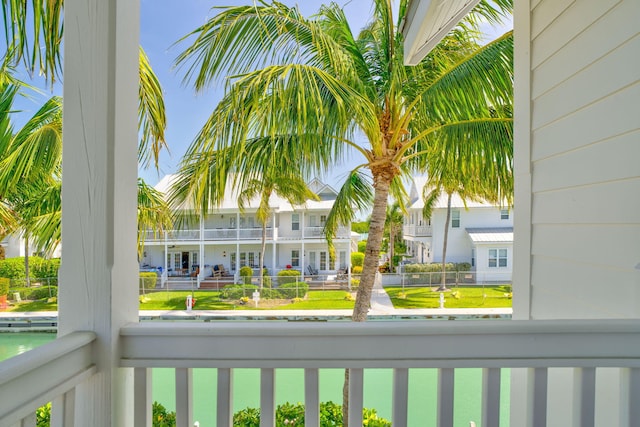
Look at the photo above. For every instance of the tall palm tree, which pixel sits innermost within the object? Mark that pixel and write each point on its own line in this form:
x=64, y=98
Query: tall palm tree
x=33, y=35
x=284, y=184
x=30, y=161
x=318, y=90
x=393, y=225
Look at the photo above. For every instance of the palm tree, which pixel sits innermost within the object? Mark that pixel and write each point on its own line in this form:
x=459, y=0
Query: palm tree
x=318, y=90
x=34, y=35
x=30, y=161
x=393, y=225
x=153, y=213
x=284, y=184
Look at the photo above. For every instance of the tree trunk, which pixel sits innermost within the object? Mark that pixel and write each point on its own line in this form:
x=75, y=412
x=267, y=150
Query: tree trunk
x=392, y=243
x=264, y=245
x=369, y=268
x=443, y=281
x=26, y=258
x=372, y=250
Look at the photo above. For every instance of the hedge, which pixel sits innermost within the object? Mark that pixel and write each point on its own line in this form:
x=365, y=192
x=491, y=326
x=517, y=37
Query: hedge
x=357, y=259
x=246, y=272
x=288, y=276
x=237, y=291
x=293, y=290
x=148, y=280
x=4, y=286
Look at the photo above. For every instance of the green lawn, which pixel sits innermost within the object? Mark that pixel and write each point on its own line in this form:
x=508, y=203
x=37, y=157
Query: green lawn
x=321, y=300
x=424, y=297
x=458, y=297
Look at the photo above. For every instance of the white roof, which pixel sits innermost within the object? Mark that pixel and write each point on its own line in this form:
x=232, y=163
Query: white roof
x=427, y=22
x=230, y=202
x=491, y=235
x=416, y=201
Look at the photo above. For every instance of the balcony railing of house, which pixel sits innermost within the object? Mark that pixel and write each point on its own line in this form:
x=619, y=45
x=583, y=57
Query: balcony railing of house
x=51, y=372
x=417, y=230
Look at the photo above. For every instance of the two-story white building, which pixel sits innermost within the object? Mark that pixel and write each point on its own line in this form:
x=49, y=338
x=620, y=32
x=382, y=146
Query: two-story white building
x=231, y=238
x=480, y=233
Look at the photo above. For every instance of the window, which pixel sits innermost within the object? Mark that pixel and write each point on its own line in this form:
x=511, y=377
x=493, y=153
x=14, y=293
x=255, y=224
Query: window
x=233, y=261
x=343, y=259
x=473, y=257
x=323, y=260
x=497, y=257
x=295, y=258
x=323, y=220
x=295, y=222
x=504, y=213
x=232, y=222
x=455, y=218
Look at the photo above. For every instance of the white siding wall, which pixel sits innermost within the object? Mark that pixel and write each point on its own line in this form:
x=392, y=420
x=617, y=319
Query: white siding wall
x=584, y=153
x=577, y=145
x=459, y=245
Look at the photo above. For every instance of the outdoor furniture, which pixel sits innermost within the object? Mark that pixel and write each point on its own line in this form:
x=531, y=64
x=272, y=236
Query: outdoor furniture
x=312, y=271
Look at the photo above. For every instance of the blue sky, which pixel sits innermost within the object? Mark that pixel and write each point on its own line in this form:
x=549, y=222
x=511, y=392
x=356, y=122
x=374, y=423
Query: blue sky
x=163, y=23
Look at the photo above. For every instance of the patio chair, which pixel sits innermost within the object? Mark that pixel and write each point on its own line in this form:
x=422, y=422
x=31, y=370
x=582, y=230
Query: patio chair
x=312, y=271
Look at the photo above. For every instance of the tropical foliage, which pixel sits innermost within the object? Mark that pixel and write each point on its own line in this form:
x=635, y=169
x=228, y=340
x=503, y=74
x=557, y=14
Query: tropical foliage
x=312, y=90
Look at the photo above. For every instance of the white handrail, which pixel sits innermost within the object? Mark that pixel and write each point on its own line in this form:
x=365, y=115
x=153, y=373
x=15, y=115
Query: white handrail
x=480, y=344
x=36, y=377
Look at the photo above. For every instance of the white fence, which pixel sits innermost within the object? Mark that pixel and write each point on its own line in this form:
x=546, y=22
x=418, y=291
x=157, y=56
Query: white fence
x=51, y=372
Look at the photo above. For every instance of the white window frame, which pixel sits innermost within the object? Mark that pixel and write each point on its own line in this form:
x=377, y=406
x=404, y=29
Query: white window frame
x=499, y=257
x=455, y=218
x=295, y=258
x=295, y=222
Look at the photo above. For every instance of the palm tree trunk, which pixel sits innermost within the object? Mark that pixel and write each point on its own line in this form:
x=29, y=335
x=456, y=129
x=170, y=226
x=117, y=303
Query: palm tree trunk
x=392, y=244
x=26, y=258
x=369, y=269
x=443, y=281
x=264, y=245
x=370, y=264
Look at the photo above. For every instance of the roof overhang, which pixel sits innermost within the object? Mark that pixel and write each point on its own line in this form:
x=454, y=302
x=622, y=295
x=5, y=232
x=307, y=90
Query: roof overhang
x=490, y=235
x=427, y=22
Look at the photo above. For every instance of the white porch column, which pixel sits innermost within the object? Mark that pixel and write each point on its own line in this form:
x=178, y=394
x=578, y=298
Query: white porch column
x=99, y=287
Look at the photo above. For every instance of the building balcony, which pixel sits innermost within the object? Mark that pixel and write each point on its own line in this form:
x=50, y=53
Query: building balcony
x=417, y=230
x=228, y=234
x=54, y=371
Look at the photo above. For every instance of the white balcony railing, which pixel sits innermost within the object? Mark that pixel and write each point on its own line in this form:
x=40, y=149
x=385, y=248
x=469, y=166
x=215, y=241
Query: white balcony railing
x=417, y=230
x=52, y=371
x=48, y=373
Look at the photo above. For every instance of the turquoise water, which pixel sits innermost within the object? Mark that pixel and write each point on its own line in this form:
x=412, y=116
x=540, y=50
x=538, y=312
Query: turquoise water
x=290, y=388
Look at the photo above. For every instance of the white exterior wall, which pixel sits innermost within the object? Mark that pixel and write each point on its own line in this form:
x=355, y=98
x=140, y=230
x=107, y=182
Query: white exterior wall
x=582, y=232
x=459, y=244
x=13, y=246
x=577, y=145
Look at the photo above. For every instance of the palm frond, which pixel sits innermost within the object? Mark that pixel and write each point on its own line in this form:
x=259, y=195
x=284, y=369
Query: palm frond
x=154, y=214
x=35, y=152
x=152, y=119
x=33, y=35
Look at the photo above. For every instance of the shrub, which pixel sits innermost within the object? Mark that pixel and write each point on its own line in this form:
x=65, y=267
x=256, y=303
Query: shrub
x=357, y=259
x=248, y=417
x=356, y=270
x=148, y=280
x=246, y=272
x=12, y=268
x=2, y=252
x=237, y=291
x=463, y=266
x=44, y=268
x=293, y=290
x=362, y=245
x=4, y=286
x=162, y=417
x=288, y=276
x=43, y=416
x=288, y=414
x=44, y=292
x=266, y=279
